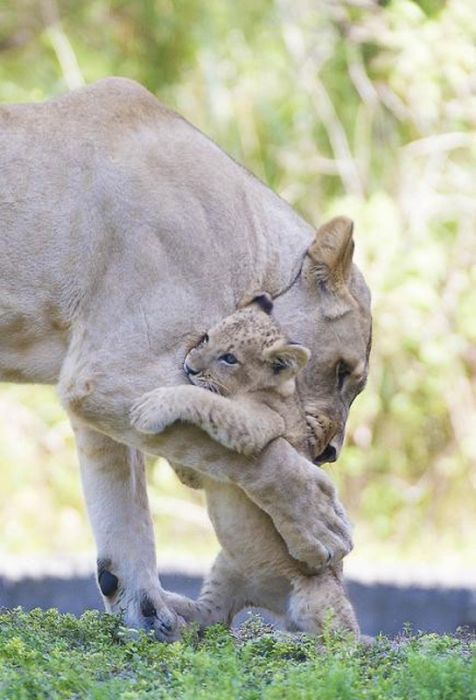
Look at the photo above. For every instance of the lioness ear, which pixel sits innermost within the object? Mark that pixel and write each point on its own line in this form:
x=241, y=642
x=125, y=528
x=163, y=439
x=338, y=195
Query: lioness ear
x=287, y=359
x=264, y=301
x=331, y=256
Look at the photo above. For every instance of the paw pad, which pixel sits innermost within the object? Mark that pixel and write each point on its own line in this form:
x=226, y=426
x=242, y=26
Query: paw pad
x=108, y=583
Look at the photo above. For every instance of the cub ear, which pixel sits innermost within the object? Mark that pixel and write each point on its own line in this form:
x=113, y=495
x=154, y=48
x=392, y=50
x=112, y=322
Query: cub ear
x=331, y=265
x=264, y=301
x=287, y=359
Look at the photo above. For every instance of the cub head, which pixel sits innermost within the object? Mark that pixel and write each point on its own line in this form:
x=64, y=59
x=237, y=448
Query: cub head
x=246, y=352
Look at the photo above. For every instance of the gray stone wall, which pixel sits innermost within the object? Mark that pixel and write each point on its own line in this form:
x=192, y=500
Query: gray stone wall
x=381, y=608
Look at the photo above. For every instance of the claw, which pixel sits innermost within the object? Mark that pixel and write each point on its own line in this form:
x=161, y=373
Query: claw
x=167, y=626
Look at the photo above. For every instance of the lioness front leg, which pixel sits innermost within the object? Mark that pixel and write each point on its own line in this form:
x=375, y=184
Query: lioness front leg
x=113, y=479
x=246, y=429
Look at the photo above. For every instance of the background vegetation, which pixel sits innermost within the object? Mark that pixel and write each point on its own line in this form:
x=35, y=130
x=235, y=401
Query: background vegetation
x=360, y=107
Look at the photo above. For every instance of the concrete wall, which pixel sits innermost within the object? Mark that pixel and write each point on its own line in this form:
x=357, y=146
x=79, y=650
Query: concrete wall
x=380, y=608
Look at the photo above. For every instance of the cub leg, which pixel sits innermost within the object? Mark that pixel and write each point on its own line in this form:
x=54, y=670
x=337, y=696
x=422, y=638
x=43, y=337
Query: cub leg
x=221, y=597
x=258, y=570
x=113, y=479
x=244, y=428
x=319, y=601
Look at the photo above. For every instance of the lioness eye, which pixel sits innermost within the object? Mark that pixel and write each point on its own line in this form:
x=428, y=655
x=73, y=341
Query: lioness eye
x=228, y=359
x=203, y=340
x=343, y=371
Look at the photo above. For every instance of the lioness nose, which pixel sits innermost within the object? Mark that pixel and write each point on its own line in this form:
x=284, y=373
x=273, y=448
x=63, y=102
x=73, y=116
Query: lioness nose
x=189, y=370
x=329, y=454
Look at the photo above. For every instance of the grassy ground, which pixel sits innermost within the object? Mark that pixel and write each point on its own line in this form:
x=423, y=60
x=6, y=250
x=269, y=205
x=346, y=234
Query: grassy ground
x=48, y=655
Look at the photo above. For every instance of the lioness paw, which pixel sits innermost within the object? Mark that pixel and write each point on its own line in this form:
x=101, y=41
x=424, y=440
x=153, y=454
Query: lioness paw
x=142, y=607
x=148, y=612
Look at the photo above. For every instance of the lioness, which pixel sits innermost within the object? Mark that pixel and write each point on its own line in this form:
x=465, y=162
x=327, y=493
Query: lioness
x=119, y=223
x=244, y=369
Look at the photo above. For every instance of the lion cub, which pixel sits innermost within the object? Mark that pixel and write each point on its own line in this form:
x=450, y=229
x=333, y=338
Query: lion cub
x=244, y=396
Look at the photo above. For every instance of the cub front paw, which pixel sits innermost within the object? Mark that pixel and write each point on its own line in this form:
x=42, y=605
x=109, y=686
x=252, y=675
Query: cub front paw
x=152, y=413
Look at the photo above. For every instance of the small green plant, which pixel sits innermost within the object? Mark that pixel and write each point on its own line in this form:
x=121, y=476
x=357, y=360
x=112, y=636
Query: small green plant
x=52, y=656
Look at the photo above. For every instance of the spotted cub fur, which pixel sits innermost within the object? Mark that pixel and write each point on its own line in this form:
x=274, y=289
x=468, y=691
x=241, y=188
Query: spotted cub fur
x=244, y=368
x=244, y=396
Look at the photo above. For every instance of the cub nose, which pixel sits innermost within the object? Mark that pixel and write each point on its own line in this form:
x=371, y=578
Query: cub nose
x=188, y=370
x=329, y=454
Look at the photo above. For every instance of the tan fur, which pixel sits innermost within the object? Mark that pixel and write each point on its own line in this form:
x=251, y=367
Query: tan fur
x=254, y=401
x=264, y=404
x=124, y=234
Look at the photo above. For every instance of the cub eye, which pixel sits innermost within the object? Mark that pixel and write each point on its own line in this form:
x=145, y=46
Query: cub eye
x=278, y=366
x=203, y=340
x=228, y=359
x=343, y=371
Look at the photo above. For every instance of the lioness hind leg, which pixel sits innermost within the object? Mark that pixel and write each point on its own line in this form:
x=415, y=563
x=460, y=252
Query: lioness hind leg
x=319, y=602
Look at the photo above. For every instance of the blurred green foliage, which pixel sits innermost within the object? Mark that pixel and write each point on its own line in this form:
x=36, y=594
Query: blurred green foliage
x=360, y=107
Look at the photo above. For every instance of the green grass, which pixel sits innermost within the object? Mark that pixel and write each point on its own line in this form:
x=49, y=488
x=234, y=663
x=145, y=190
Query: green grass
x=48, y=655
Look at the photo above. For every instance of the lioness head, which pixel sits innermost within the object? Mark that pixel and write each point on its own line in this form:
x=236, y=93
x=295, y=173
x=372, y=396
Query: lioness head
x=328, y=309
x=246, y=352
